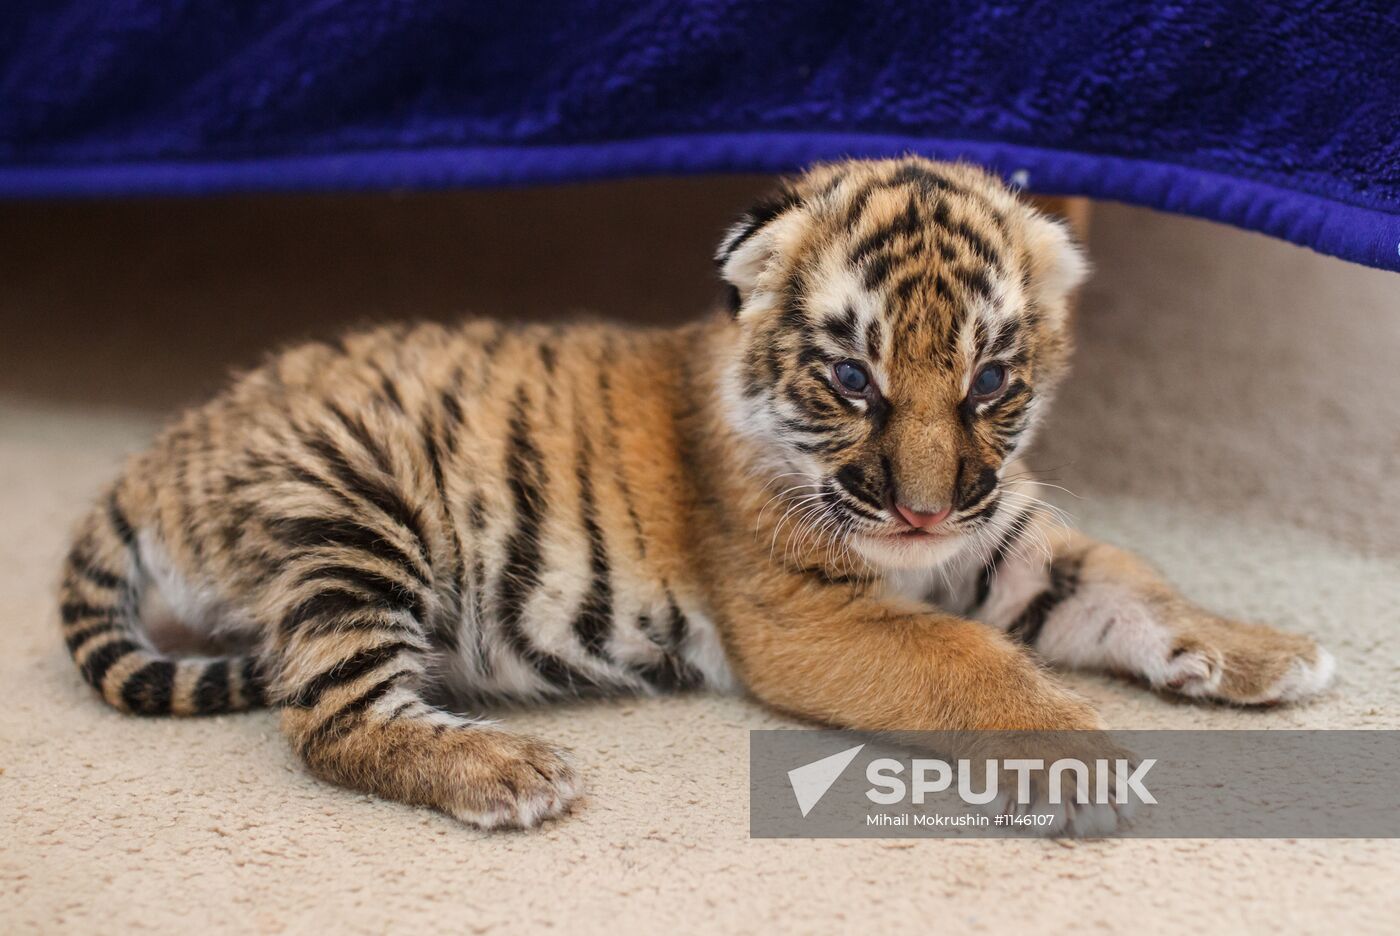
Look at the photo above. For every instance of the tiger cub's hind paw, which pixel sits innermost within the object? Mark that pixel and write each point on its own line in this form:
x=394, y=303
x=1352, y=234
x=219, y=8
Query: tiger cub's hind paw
x=1245, y=664
x=514, y=782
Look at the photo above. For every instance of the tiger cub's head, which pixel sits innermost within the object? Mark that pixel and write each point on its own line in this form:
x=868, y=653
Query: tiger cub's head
x=902, y=325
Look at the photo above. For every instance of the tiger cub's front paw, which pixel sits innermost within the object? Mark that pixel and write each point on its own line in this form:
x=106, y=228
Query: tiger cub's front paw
x=511, y=781
x=1247, y=664
x=1059, y=809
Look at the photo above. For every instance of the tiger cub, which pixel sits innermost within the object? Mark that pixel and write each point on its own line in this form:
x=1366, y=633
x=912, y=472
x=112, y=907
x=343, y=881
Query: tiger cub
x=815, y=497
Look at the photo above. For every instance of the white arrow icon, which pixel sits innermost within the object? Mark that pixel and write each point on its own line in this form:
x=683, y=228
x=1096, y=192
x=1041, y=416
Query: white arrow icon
x=811, y=781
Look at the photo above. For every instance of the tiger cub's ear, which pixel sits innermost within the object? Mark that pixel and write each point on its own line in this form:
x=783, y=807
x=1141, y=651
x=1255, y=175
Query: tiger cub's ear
x=750, y=255
x=1057, y=265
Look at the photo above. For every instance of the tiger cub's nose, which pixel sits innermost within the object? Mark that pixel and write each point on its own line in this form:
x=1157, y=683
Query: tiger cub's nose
x=920, y=520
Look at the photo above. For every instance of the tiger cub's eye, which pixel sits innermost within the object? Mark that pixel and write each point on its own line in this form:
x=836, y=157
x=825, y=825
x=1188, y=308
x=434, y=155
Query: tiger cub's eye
x=851, y=378
x=989, y=382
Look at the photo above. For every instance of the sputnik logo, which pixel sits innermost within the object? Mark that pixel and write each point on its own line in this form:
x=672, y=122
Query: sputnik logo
x=811, y=781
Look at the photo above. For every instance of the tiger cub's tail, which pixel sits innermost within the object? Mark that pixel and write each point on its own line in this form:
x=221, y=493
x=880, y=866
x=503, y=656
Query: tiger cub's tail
x=100, y=598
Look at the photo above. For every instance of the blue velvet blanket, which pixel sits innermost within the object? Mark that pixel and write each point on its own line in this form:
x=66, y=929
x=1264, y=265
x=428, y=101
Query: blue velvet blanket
x=1281, y=117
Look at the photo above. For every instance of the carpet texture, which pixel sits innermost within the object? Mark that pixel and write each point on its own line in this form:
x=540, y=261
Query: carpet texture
x=1235, y=416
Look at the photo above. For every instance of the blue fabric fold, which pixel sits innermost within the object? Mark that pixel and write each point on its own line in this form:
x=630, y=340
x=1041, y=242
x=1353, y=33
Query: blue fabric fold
x=1278, y=117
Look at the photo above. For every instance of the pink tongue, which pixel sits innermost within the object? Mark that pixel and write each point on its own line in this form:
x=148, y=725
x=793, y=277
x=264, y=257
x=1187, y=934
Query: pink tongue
x=922, y=521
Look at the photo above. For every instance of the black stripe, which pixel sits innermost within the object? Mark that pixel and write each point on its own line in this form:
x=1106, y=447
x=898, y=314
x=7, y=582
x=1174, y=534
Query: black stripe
x=253, y=689
x=520, y=575
x=120, y=525
x=75, y=611
x=476, y=583
x=1005, y=337
x=312, y=479
x=815, y=406
x=389, y=592
x=400, y=709
x=1010, y=439
x=191, y=482
x=733, y=301
x=644, y=624
x=1014, y=532
x=837, y=494
x=810, y=354
x=858, y=510
x=1064, y=581
x=320, y=532
x=904, y=289
x=524, y=477
x=362, y=623
x=1012, y=393
x=756, y=217
x=445, y=632
x=980, y=488
x=982, y=514
x=99, y=661
x=929, y=182
x=147, y=691
x=211, y=692
x=335, y=606
x=83, y=564
x=831, y=186
x=322, y=733
x=856, y=208
x=357, y=428
x=817, y=427
x=872, y=243
x=548, y=357
x=852, y=479
x=76, y=639
x=679, y=627
x=974, y=281
x=672, y=673
x=391, y=392
x=874, y=337
x=842, y=329
x=593, y=623
x=907, y=224
x=347, y=670
x=825, y=447
x=453, y=408
x=1027, y=625
x=325, y=605
x=381, y=495
x=453, y=414
x=793, y=316
x=610, y=444
x=491, y=345
x=978, y=244
x=878, y=271
x=235, y=525
x=430, y=447
x=933, y=184
x=688, y=676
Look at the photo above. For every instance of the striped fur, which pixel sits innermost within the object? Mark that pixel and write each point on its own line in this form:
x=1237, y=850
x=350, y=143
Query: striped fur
x=382, y=531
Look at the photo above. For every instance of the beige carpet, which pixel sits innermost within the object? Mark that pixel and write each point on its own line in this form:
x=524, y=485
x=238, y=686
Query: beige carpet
x=1235, y=416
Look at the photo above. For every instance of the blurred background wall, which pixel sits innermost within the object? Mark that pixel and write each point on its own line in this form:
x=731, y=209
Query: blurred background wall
x=145, y=302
